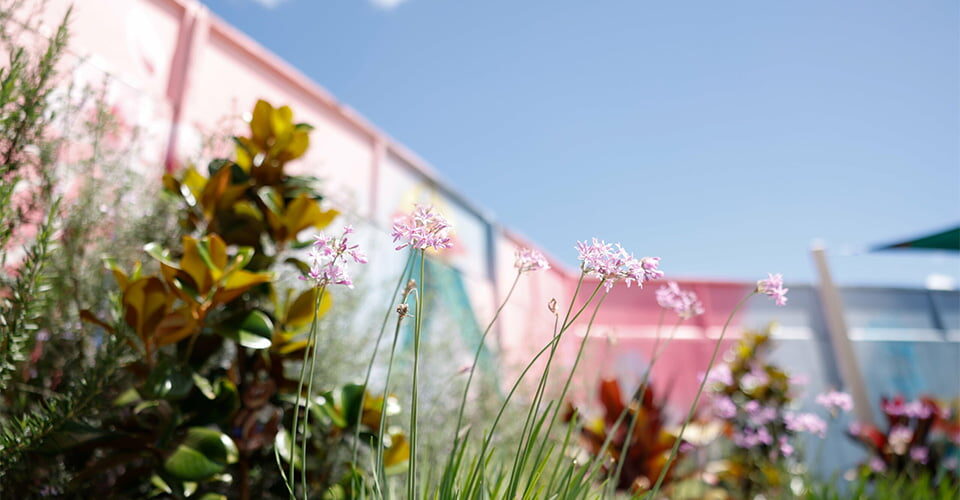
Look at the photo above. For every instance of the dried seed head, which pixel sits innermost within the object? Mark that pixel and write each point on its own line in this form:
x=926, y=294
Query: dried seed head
x=402, y=309
x=552, y=306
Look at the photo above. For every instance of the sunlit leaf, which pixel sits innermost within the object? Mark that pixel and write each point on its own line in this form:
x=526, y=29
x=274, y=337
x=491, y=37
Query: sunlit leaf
x=253, y=331
x=176, y=326
x=286, y=448
x=301, y=312
x=260, y=121
x=238, y=282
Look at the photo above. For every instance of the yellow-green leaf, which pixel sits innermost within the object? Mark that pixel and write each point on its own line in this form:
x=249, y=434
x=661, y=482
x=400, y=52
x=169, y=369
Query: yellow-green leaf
x=301, y=312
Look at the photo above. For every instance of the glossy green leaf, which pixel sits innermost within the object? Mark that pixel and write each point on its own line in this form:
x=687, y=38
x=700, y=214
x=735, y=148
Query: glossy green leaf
x=169, y=380
x=351, y=396
x=254, y=331
x=202, y=454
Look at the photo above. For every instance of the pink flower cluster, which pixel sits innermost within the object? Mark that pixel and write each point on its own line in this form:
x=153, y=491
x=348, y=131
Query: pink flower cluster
x=835, y=401
x=758, y=414
x=805, y=422
x=750, y=438
x=329, y=256
x=683, y=302
x=612, y=263
x=920, y=454
x=724, y=407
x=756, y=377
x=918, y=409
x=529, y=259
x=422, y=229
x=720, y=375
x=773, y=287
x=785, y=447
x=899, y=439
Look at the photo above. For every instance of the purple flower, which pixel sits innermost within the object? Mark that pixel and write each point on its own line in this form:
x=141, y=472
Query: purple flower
x=805, y=422
x=720, y=374
x=759, y=414
x=919, y=454
x=773, y=287
x=750, y=438
x=917, y=409
x=785, y=447
x=877, y=464
x=329, y=256
x=530, y=260
x=763, y=435
x=756, y=377
x=612, y=263
x=683, y=302
x=724, y=407
x=651, y=268
x=835, y=401
x=422, y=229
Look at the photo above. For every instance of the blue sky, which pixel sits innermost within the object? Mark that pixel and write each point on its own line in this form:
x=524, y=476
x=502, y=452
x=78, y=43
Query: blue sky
x=722, y=136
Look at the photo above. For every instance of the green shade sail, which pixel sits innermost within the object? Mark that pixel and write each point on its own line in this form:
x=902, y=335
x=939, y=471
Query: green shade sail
x=943, y=240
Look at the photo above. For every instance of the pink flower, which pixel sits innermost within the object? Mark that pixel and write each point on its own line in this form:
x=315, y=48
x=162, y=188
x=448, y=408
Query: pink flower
x=651, y=268
x=785, y=447
x=835, y=401
x=422, y=229
x=919, y=454
x=763, y=435
x=917, y=409
x=756, y=377
x=612, y=263
x=877, y=464
x=329, y=256
x=683, y=302
x=899, y=439
x=759, y=414
x=724, y=407
x=750, y=438
x=805, y=422
x=773, y=287
x=530, y=260
x=720, y=374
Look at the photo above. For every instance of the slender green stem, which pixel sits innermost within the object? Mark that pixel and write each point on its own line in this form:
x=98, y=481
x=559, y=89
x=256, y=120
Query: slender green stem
x=550, y=345
x=313, y=369
x=573, y=299
x=639, y=396
x=696, y=399
x=418, y=324
x=448, y=472
x=376, y=347
x=576, y=363
x=541, y=388
x=476, y=358
x=299, y=395
x=379, y=468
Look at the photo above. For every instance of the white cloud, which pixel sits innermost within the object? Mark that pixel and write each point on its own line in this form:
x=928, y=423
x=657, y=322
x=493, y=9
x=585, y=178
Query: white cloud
x=385, y=4
x=269, y=3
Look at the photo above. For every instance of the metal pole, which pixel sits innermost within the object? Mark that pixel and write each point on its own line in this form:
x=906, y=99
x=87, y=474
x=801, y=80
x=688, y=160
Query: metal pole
x=837, y=328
